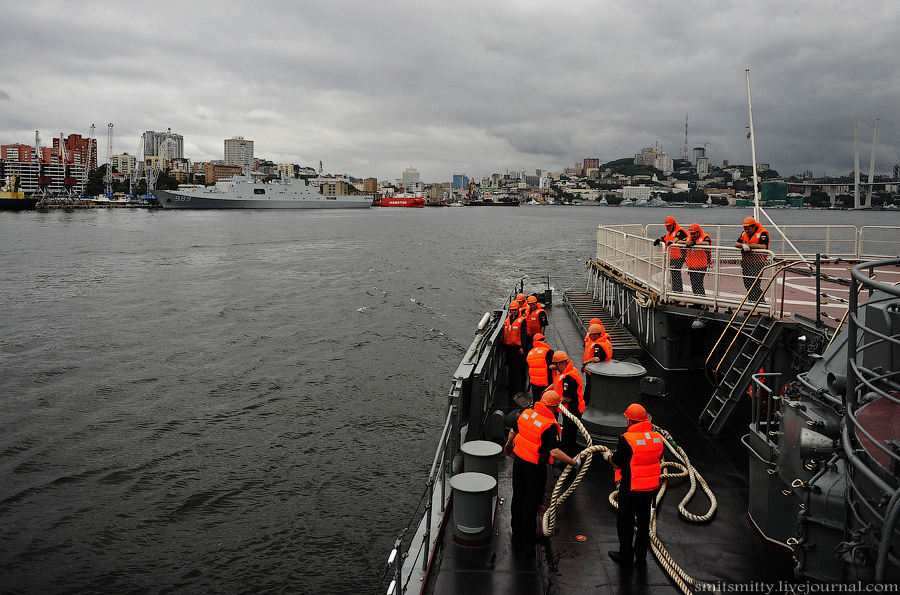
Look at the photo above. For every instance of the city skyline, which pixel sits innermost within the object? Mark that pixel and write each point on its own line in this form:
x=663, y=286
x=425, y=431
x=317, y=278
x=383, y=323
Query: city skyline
x=490, y=86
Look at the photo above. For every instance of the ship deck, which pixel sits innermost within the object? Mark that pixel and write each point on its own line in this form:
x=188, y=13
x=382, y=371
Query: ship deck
x=574, y=559
x=797, y=291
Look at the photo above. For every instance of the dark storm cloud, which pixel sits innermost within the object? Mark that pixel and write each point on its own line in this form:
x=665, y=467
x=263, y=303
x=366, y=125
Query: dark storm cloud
x=371, y=88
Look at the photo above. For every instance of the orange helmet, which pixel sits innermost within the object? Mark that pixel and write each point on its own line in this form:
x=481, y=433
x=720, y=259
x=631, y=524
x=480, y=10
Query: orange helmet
x=670, y=220
x=636, y=412
x=596, y=321
x=531, y=299
x=539, y=337
x=595, y=329
x=749, y=221
x=520, y=298
x=695, y=227
x=560, y=356
x=514, y=305
x=551, y=398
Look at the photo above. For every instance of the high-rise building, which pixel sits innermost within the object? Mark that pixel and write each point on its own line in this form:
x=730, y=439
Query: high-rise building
x=79, y=150
x=460, y=181
x=699, y=152
x=170, y=144
x=410, y=179
x=124, y=163
x=239, y=152
x=588, y=164
x=21, y=153
x=664, y=163
x=702, y=167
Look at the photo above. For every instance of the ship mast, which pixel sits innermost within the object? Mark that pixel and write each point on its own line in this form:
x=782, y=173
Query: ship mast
x=756, y=208
x=753, y=152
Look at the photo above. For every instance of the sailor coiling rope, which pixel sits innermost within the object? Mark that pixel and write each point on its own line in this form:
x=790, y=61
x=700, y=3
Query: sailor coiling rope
x=683, y=468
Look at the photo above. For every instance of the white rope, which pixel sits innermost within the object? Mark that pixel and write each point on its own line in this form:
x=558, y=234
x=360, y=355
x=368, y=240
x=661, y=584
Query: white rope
x=683, y=467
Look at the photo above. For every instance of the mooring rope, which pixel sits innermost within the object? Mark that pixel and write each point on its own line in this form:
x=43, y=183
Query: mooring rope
x=684, y=468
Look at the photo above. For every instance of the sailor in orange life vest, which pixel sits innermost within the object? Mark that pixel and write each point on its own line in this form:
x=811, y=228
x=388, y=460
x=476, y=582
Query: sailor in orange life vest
x=534, y=442
x=536, y=319
x=597, y=348
x=637, y=465
x=539, y=359
x=755, y=237
x=514, y=341
x=674, y=232
x=567, y=382
x=697, y=258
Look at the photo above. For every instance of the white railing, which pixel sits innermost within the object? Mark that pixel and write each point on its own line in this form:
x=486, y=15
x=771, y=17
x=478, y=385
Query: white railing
x=723, y=284
x=878, y=241
x=632, y=255
x=835, y=241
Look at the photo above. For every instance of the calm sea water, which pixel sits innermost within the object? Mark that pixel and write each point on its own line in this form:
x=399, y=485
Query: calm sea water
x=245, y=402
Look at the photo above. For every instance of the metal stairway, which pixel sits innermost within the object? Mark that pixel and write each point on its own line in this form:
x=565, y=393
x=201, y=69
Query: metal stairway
x=582, y=307
x=757, y=344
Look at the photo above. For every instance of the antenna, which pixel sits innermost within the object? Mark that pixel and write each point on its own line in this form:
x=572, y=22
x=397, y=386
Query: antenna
x=684, y=151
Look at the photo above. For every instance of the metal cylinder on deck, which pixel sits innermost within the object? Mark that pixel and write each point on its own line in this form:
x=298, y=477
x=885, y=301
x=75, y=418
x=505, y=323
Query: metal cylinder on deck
x=482, y=456
x=614, y=386
x=473, y=508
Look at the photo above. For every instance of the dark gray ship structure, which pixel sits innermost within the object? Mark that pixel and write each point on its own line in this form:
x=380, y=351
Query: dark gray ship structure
x=794, y=439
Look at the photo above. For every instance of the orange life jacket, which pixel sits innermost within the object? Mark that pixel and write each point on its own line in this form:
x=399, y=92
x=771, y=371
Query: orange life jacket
x=531, y=425
x=538, y=372
x=557, y=385
x=646, y=449
x=698, y=258
x=534, y=320
x=674, y=252
x=512, y=330
x=755, y=257
x=604, y=341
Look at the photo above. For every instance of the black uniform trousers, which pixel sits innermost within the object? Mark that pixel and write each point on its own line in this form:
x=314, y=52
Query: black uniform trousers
x=529, y=480
x=697, y=276
x=567, y=442
x=634, y=505
x=751, y=283
x=515, y=370
x=536, y=392
x=675, y=265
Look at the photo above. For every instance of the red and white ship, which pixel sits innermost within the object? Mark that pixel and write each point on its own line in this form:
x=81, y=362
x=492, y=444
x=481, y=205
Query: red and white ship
x=401, y=200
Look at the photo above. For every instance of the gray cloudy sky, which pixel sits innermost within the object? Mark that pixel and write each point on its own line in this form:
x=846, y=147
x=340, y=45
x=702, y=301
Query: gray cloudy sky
x=371, y=87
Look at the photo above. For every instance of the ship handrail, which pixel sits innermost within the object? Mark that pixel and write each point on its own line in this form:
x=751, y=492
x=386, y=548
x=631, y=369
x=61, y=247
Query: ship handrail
x=757, y=411
x=837, y=241
x=859, y=377
x=740, y=330
x=477, y=365
x=636, y=259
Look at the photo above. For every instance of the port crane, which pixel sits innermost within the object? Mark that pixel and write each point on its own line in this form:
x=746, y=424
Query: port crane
x=107, y=178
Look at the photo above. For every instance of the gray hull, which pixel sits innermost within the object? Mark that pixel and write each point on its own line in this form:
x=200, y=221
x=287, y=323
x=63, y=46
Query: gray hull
x=259, y=196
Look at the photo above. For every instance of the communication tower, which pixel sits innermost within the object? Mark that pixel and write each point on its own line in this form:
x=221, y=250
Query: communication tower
x=684, y=150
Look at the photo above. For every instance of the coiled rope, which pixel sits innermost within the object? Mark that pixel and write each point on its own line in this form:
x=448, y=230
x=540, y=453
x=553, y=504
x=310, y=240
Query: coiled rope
x=684, y=468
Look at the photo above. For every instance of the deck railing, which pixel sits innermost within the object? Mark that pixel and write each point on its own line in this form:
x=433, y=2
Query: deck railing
x=835, y=241
x=878, y=241
x=638, y=260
